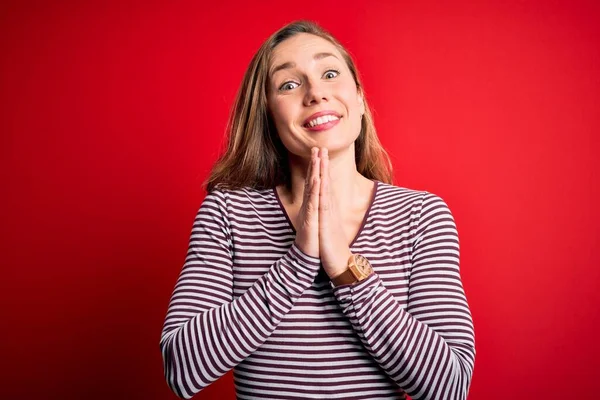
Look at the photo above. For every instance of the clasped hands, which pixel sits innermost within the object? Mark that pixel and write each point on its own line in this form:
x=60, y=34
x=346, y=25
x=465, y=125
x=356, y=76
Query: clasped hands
x=319, y=230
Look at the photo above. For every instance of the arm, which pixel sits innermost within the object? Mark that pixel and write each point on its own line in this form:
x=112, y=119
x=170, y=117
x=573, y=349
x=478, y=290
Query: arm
x=429, y=348
x=206, y=332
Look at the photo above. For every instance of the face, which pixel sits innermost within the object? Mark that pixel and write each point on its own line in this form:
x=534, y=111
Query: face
x=312, y=96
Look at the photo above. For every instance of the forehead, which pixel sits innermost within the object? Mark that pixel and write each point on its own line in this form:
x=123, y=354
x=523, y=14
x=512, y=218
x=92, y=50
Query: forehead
x=301, y=46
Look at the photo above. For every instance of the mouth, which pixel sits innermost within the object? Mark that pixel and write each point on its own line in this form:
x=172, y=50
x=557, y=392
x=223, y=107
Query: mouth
x=322, y=123
x=321, y=118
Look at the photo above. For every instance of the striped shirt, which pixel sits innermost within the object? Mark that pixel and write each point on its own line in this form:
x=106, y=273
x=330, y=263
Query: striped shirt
x=247, y=298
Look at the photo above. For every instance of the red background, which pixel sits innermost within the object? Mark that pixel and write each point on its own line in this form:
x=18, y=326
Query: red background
x=112, y=114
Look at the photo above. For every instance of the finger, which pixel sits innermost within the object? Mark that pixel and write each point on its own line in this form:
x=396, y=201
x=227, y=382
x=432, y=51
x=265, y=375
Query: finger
x=324, y=155
x=316, y=161
x=308, y=181
x=313, y=157
x=324, y=199
x=316, y=184
x=324, y=168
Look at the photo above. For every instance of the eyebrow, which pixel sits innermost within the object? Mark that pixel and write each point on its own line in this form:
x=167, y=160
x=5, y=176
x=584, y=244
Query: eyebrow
x=290, y=64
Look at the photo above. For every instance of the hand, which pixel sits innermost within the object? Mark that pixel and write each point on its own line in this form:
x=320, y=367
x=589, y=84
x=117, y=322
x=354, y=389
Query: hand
x=307, y=222
x=333, y=244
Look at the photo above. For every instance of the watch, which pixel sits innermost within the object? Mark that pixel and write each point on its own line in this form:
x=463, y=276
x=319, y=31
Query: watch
x=359, y=268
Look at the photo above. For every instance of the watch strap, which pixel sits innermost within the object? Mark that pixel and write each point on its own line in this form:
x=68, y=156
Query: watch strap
x=345, y=278
x=353, y=274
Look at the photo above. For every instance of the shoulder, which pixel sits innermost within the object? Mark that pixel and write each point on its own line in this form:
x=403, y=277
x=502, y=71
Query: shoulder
x=391, y=198
x=245, y=198
x=427, y=214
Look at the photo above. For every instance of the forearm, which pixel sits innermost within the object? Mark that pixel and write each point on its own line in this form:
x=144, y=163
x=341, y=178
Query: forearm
x=427, y=363
x=199, y=349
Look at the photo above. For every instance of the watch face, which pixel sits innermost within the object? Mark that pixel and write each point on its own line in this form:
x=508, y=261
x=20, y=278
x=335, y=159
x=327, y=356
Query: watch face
x=362, y=264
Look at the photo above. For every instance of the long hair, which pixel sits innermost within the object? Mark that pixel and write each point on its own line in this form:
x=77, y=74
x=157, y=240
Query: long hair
x=255, y=156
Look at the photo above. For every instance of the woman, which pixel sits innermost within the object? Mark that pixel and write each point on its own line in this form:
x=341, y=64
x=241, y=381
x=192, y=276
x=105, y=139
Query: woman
x=308, y=272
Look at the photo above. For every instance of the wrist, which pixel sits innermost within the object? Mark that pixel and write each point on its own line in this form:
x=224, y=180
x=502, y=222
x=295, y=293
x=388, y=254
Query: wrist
x=340, y=266
x=357, y=270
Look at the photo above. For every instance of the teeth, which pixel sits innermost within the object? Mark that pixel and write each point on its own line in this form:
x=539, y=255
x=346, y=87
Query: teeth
x=322, y=120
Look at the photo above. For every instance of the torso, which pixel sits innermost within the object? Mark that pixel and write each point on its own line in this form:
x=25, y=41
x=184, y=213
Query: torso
x=315, y=331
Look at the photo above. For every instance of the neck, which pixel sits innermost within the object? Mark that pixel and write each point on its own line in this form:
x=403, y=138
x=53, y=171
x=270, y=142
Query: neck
x=345, y=181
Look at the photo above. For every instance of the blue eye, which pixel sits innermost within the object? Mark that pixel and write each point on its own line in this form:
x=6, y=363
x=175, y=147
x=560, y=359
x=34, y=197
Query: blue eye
x=289, y=85
x=330, y=72
x=286, y=86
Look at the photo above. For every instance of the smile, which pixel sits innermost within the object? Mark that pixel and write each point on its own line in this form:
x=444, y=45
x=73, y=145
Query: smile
x=322, y=123
x=321, y=120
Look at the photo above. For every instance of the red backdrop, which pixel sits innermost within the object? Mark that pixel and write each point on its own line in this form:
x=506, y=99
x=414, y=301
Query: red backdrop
x=112, y=114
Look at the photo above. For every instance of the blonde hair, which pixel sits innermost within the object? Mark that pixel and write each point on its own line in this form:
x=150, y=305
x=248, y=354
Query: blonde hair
x=255, y=156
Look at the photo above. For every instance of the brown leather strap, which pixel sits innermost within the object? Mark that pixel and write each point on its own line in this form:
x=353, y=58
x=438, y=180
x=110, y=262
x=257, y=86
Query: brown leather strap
x=345, y=278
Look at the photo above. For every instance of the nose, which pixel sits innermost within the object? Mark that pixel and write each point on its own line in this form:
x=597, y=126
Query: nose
x=316, y=92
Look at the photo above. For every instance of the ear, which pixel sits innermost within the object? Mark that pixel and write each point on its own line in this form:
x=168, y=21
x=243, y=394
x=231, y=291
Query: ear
x=361, y=100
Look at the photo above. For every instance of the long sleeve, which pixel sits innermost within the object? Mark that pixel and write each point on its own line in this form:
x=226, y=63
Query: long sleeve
x=428, y=349
x=206, y=331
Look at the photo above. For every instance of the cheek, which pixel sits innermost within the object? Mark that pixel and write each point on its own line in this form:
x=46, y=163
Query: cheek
x=354, y=107
x=348, y=93
x=281, y=114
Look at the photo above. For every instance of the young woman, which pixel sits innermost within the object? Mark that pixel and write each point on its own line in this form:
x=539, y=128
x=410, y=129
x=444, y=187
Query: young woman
x=308, y=272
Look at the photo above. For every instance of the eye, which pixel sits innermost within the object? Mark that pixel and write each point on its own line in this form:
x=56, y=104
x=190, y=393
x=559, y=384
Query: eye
x=332, y=73
x=288, y=86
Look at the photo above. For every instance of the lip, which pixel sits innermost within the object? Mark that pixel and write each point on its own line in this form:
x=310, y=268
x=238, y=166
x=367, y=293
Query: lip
x=320, y=114
x=323, y=127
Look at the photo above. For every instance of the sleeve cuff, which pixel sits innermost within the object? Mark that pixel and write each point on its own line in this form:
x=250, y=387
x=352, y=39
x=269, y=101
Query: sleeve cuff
x=358, y=290
x=301, y=268
x=303, y=258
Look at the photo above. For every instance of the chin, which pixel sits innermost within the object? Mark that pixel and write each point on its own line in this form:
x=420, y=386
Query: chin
x=336, y=146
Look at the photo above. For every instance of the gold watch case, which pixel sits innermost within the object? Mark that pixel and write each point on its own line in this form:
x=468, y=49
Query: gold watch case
x=358, y=269
x=359, y=266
